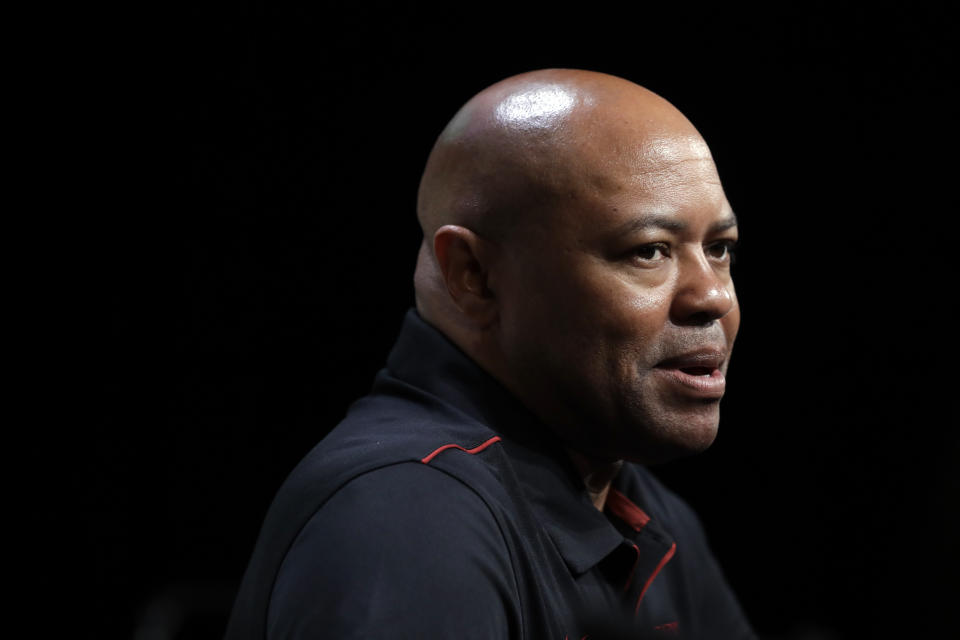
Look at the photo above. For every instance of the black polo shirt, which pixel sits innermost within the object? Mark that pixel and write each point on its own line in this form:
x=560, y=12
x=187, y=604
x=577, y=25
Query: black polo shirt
x=441, y=508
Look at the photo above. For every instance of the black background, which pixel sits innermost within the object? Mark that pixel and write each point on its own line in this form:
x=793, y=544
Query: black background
x=261, y=263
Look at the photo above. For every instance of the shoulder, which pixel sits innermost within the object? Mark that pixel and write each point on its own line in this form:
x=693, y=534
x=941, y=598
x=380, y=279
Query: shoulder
x=379, y=449
x=369, y=474
x=395, y=549
x=400, y=496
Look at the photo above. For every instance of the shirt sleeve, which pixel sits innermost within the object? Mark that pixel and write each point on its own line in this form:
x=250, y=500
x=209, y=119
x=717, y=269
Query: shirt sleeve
x=405, y=551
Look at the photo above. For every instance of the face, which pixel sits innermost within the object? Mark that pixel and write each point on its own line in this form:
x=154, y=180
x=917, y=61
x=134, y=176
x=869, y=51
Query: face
x=618, y=312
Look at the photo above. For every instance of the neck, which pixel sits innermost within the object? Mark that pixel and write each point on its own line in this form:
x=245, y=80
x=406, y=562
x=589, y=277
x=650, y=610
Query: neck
x=597, y=475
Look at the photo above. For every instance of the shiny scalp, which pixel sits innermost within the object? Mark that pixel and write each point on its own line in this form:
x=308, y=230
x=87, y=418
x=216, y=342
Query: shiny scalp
x=524, y=143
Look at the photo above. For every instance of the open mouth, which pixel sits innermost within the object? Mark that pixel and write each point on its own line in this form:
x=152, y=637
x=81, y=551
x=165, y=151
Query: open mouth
x=697, y=373
x=697, y=370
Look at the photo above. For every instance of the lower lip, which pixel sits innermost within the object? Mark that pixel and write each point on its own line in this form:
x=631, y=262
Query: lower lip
x=709, y=386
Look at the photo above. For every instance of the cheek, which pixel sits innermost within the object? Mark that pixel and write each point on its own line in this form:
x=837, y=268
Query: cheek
x=649, y=305
x=627, y=336
x=587, y=314
x=636, y=314
x=731, y=322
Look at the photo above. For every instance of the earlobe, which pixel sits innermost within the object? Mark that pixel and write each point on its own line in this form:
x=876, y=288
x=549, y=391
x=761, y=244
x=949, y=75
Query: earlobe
x=463, y=257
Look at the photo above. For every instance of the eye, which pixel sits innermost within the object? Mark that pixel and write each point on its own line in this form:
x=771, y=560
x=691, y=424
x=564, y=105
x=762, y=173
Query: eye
x=652, y=252
x=724, y=250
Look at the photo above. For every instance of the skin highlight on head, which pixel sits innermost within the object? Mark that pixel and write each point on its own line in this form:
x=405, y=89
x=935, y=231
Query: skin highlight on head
x=576, y=246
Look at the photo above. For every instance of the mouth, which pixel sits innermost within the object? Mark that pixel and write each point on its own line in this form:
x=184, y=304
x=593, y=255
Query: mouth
x=697, y=370
x=695, y=373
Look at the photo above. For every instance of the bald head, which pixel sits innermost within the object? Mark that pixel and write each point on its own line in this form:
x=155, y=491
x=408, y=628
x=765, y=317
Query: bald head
x=527, y=140
x=522, y=148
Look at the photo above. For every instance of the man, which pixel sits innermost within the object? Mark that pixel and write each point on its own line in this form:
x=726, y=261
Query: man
x=574, y=310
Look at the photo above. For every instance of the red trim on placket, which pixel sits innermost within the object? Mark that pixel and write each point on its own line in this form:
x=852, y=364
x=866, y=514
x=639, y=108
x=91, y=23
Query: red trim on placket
x=663, y=561
x=670, y=628
x=626, y=510
x=477, y=449
x=634, y=568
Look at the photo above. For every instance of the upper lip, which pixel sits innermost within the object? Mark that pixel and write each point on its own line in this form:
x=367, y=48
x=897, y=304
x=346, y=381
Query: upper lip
x=707, y=357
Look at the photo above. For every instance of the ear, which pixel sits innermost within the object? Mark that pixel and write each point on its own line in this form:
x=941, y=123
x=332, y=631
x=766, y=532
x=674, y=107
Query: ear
x=465, y=259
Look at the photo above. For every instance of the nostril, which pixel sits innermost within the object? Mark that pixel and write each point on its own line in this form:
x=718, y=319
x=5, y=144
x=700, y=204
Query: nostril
x=700, y=319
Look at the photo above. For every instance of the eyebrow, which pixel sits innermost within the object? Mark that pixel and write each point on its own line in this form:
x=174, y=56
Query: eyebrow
x=669, y=223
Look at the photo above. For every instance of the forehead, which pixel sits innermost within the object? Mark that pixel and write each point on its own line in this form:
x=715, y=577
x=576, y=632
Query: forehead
x=672, y=177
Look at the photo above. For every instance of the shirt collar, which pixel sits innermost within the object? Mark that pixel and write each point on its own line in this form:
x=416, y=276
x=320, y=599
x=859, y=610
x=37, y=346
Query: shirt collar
x=425, y=358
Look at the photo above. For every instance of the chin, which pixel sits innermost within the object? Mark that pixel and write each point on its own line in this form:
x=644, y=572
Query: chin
x=670, y=442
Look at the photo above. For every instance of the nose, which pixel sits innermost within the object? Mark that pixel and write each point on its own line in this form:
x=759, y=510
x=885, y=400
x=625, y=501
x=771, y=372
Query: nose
x=703, y=293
